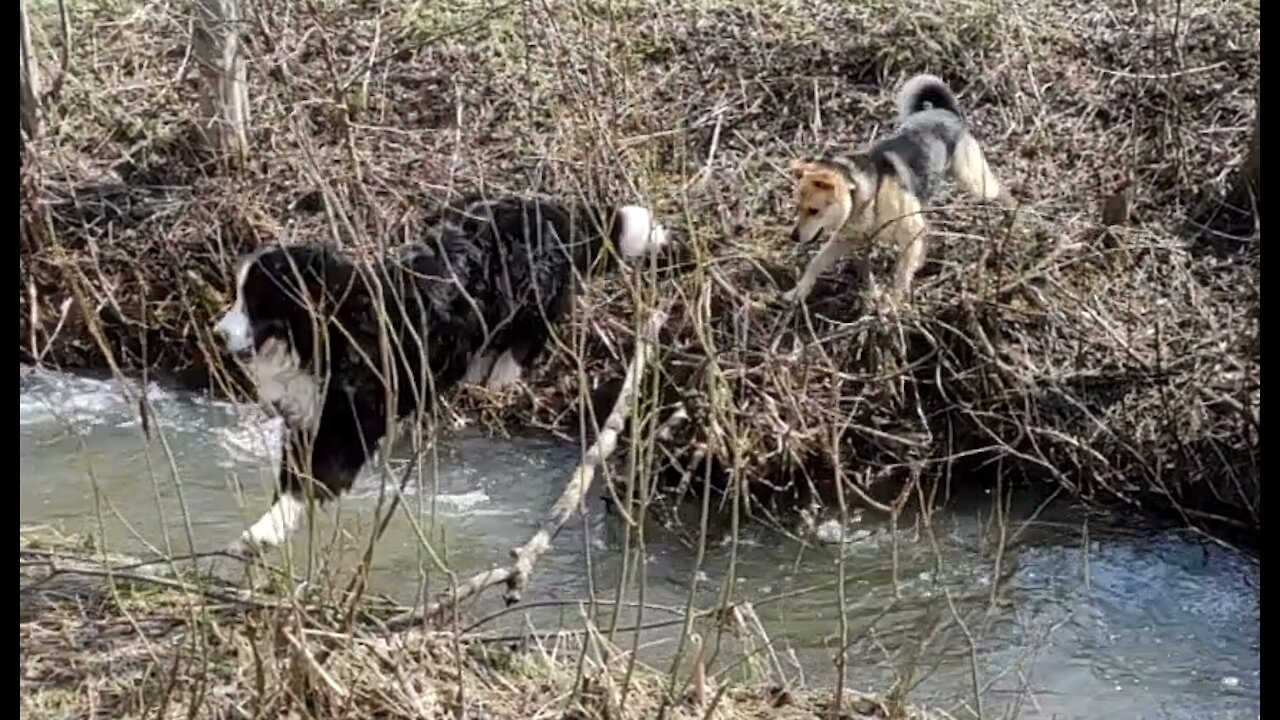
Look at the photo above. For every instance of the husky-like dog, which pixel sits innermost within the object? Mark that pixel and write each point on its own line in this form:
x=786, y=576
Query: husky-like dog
x=881, y=191
x=341, y=350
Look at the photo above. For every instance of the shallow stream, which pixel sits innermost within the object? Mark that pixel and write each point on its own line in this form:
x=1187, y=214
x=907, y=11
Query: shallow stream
x=1069, y=618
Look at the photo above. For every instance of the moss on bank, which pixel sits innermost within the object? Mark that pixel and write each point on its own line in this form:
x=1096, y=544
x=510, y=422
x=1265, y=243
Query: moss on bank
x=1120, y=362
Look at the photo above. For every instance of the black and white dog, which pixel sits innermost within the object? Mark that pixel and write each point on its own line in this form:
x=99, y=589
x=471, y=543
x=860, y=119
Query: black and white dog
x=531, y=274
x=342, y=350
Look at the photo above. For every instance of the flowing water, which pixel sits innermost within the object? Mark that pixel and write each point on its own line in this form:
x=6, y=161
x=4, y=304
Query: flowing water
x=1068, y=617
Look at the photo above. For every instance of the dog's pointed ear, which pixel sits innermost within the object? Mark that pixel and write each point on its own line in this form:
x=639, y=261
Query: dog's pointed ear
x=799, y=168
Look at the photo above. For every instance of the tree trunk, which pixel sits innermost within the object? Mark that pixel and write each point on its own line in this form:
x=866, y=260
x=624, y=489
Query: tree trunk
x=1251, y=171
x=32, y=115
x=224, y=100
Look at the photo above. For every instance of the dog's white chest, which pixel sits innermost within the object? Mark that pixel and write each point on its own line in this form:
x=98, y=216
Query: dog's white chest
x=282, y=384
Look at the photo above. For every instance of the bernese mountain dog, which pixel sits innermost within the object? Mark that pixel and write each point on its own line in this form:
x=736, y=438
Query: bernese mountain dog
x=341, y=349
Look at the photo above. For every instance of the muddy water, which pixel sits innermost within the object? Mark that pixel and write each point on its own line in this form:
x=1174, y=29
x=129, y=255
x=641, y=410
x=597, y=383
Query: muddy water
x=1067, y=617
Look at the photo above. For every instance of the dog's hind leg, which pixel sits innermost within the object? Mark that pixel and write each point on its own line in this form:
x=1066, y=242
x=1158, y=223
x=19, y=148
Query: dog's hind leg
x=522, y=354
x=973, y=174
x=479, y=367
x=506, y=370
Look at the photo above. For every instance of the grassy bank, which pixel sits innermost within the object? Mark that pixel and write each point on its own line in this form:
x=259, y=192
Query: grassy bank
x=1120, y=362
x=101, y=636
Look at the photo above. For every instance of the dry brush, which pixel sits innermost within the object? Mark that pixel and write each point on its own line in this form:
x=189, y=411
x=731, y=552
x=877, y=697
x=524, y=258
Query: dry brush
x=1118, y=361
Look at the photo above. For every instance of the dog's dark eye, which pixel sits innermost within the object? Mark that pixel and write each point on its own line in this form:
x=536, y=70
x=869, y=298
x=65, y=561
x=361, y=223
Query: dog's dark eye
x=811, y=211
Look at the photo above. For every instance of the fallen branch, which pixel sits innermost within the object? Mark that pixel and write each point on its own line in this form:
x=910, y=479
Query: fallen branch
x=62, y=565
x=516, y=575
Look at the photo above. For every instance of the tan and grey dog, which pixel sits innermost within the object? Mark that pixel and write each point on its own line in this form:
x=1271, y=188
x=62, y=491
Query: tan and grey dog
x=880, y=191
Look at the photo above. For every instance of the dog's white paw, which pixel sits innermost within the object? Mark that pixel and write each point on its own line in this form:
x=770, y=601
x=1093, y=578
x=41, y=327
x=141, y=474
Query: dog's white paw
x=506, y=371
x=274, y=527
x=248, y=546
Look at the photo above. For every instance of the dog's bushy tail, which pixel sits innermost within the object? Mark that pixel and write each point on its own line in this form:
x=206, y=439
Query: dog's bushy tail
x=923, y=92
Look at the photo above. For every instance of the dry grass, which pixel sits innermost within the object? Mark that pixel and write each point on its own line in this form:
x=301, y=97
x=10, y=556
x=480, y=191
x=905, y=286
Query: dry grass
x=1121, y=363
x=102, y=638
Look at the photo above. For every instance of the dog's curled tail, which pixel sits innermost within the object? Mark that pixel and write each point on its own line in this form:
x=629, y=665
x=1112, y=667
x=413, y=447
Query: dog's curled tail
x=924, y=91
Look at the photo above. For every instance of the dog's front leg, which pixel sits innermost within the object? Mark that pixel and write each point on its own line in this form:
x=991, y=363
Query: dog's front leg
x=831, y=252
x=312, y=471
x=288, y=504
x=862, y=266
